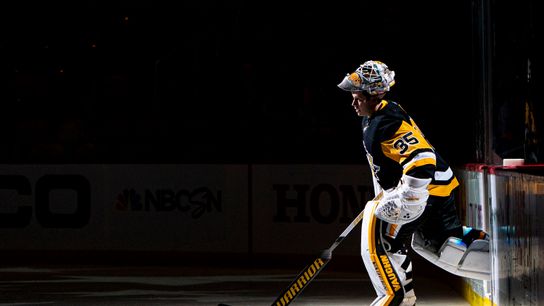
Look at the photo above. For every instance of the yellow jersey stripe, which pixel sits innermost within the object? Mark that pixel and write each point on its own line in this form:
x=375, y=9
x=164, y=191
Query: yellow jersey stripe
x=418, y=163
x=421, y=154
x=381, y=105
x=443, y=190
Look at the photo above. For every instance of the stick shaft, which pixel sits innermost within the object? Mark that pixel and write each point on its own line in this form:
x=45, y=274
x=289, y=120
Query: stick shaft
x=346, y=232
x=301, y=281
x=304, y=278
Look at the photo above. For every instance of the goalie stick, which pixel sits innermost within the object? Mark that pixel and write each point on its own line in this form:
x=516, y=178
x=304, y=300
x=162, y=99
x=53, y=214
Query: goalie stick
x=307, y=274
x=310, y=271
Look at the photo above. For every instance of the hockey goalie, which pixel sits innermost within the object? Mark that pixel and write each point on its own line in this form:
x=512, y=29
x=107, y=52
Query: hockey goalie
x=418, y=196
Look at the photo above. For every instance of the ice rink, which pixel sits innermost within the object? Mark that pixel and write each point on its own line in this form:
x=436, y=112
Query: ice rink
x=204, y=285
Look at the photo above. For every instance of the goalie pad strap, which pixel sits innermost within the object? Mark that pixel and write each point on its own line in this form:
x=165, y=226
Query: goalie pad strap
x=408, y=287
x=406, y=263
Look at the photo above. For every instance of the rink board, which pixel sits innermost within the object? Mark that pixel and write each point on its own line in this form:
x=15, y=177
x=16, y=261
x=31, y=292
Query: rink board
x=508, y=203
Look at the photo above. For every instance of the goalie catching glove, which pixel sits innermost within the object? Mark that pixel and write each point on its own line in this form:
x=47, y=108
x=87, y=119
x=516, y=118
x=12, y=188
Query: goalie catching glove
x=404, y=203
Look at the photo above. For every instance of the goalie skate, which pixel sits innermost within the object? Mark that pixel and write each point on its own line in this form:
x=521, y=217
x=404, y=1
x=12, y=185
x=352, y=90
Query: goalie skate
x=454, y=257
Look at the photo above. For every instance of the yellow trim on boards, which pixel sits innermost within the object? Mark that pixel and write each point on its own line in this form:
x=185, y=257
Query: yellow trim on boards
x=473, y=298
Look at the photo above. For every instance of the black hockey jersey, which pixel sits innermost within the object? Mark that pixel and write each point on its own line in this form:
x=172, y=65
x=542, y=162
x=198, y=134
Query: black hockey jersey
x=395, y=146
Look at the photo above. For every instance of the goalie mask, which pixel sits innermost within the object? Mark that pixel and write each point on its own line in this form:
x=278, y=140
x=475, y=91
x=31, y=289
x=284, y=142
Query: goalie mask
x=373, y=77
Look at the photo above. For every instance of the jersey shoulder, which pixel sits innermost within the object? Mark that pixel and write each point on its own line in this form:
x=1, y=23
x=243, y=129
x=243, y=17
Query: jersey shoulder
x=386, y=121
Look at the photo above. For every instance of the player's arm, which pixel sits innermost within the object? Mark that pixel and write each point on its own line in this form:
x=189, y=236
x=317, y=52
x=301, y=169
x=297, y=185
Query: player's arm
x=408, y=147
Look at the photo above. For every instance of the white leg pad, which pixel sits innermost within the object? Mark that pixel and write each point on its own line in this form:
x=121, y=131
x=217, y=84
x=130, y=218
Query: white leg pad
x=476, y=258
x=409, y=300
x=454, y=257
x=394, y=260
x=452, y=251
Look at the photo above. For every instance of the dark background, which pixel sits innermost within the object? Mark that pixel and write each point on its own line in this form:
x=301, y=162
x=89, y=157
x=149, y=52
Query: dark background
x=232, y=81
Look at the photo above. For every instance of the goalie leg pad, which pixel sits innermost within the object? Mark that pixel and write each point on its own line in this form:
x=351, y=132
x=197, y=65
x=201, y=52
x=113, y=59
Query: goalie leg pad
x=476, y=258
x=383, y=300
x=452, y=251
x=403, y=264
x=390, y=273
x=454, y=257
